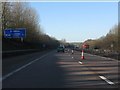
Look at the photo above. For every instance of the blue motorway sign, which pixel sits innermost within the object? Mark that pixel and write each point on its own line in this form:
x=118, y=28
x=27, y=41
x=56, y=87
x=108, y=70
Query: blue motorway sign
x=15, y=33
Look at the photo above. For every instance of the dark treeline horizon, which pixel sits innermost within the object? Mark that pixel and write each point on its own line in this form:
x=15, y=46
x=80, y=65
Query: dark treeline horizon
x=22, y=15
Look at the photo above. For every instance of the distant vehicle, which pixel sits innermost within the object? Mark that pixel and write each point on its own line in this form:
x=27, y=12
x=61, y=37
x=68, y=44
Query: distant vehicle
x=61, y=49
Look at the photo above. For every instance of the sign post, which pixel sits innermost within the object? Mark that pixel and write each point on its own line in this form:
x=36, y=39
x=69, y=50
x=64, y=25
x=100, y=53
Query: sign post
x=21, y=39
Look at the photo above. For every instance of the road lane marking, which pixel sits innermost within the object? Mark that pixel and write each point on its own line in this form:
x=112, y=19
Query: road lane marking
x=72, y=57
x=108, y=81
x=22, y=67
x=80, y=62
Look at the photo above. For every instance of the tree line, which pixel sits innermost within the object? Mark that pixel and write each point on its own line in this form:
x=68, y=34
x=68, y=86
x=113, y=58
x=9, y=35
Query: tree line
x=21, y=15
x=108, y=42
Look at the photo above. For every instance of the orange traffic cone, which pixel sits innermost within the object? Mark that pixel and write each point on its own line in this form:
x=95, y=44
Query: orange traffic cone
x=82, y=57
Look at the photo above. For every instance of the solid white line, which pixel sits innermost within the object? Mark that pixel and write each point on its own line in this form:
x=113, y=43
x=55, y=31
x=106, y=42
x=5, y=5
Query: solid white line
x=8, y=75
x=80, y=62
x=108, y=81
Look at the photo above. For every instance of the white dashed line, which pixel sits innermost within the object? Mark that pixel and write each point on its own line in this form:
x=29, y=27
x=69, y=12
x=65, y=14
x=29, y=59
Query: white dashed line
x=80, y=62
x=108, y=81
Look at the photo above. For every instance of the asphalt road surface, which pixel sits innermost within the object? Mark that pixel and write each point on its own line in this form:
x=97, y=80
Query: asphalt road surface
x=63, y=70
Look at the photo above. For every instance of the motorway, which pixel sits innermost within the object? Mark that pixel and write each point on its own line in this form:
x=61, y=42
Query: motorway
x=62, y=70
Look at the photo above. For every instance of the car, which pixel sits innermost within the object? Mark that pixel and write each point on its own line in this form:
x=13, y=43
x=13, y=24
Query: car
x=60, y=49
